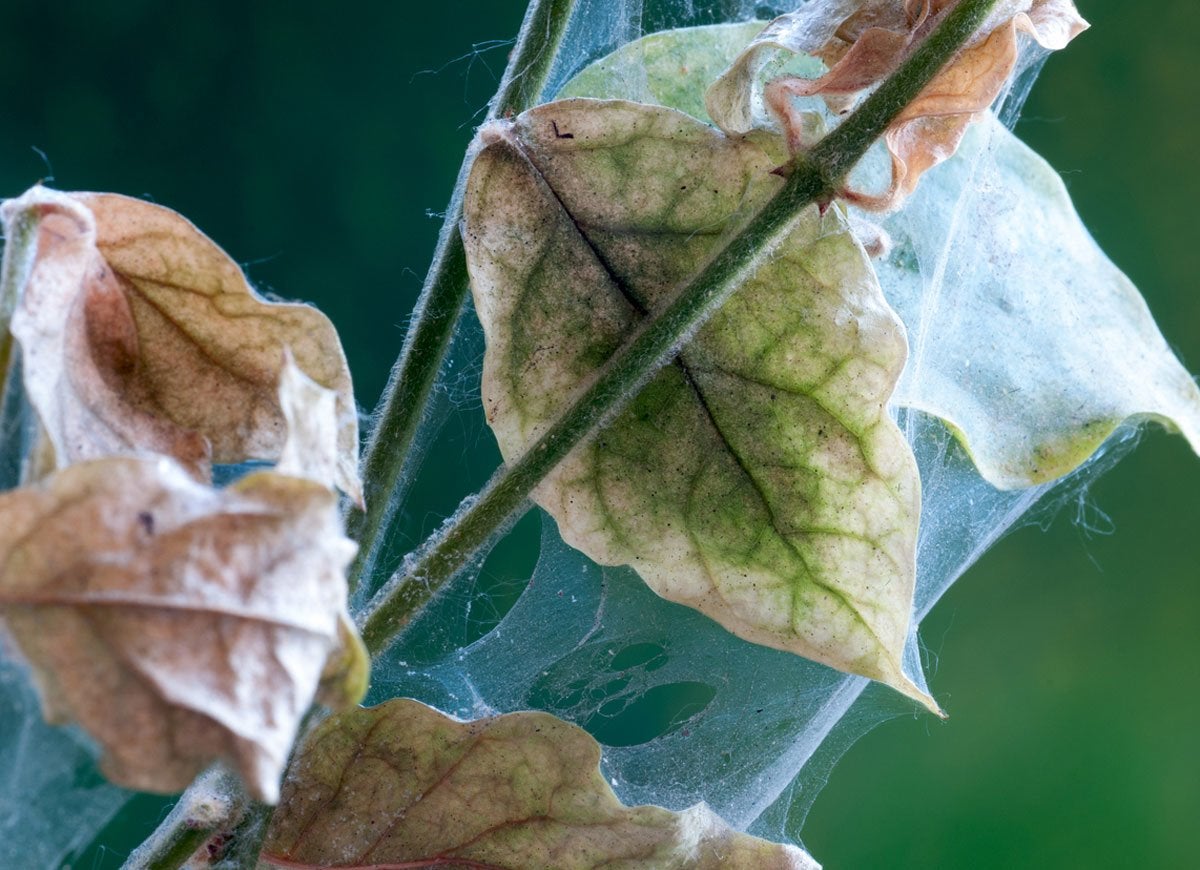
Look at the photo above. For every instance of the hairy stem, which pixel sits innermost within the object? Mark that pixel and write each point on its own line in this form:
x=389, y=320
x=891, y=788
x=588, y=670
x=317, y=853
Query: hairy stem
x=212, y=804
x=434, y=320
x=437, y=310
x=815, y=177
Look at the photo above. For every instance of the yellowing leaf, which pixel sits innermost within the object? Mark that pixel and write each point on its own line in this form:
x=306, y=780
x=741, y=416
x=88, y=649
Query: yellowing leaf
x=138, y=334
x=178, y=624
x=758, y=478
x=863, y=41
x=401, y=785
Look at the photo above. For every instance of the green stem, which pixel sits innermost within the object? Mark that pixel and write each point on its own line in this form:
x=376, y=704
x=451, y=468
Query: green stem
x=213, y=803
x=815, y=177
x=441, y=300
x=412, y=378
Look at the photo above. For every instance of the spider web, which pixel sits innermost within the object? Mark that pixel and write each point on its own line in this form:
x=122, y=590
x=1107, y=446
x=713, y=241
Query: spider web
x=686, y=712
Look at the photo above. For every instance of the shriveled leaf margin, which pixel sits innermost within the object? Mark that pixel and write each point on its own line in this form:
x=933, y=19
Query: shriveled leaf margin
x=403, y=785
x=139, y=334
x=758, y=478
x=864, y=41
x=176, y=623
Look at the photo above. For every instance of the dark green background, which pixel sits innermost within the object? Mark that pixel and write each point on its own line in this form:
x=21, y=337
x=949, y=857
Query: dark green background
x=312, y=141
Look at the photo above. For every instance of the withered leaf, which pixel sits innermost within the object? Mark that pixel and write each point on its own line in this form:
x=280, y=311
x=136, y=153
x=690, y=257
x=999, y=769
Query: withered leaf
x=401, y=785
x=178, y=624
x=139, y=334
x=758, y=478
x=862, y=42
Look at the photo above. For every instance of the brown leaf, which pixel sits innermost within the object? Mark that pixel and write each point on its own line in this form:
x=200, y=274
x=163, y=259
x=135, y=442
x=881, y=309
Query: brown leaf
x=178, y=624
x=866, y=45
x=139, y=334
x=401, y=785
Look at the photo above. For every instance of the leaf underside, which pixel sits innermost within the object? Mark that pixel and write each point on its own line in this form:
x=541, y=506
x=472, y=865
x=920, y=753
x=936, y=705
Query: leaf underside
x=179, y=624
x=139, y=334
x=758, y=477
x=402, y=785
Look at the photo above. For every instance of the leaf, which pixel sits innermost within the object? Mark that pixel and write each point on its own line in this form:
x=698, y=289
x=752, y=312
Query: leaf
x=864, y=41
x=402, y=785
x=139, y=334
x=664, y=68
x=310, y=448
x=1037, y=347
x=758, y=478
x=1034, y=364
x=178, y=624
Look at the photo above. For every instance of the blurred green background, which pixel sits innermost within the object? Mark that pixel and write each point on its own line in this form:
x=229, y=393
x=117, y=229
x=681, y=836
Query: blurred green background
x=316, y=142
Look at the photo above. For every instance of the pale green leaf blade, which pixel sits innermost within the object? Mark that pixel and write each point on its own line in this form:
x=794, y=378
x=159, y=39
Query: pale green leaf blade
x=759, y=478
x=1035, y=347
x=176, y=623
x=402, y=785
x=734, y=100
x=670, y=68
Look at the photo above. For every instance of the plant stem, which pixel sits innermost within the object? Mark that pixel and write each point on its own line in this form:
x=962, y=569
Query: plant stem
x=211, y=804
x=441, y=301
x=815, y=177
x=434, y=320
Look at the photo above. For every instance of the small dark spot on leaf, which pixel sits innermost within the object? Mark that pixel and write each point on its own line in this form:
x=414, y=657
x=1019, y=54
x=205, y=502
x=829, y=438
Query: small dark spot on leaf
x=146, y=521
x=558, y=134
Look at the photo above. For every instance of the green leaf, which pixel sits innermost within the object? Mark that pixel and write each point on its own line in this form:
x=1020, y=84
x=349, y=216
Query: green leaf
x=670, y=68
x=758, y=478
x=401, y=785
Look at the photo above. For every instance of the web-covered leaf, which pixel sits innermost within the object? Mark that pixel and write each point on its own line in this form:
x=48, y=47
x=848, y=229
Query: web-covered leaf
x=403, y=785
x=1035, y=347
x=1028, y=341
x=177, y=623
x=139, y=334
x=758, y=478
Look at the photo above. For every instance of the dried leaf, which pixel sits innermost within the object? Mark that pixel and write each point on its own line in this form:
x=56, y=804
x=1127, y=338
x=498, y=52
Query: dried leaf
x=401, y=785
x=177, y=623
x=138, y=334
x=758, y=478
x=1038, y=347
x=863, y=41
x=310, y=448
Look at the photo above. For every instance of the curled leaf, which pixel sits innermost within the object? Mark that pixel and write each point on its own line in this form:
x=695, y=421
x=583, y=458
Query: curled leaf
x=178, y=624
x=864, y=41
x=1037, y=347
x=402, y=785
x=138, y=334
x=758, y=478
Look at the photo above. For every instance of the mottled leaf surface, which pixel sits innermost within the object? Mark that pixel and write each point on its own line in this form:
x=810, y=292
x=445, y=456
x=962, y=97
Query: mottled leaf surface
x=401, y=785
x=178, y=624
x=138, y=334
x=758, y=478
